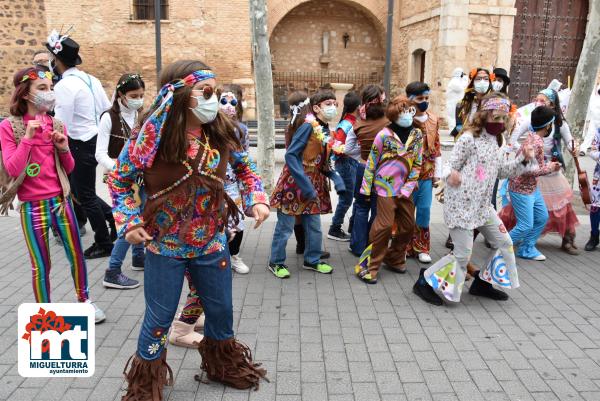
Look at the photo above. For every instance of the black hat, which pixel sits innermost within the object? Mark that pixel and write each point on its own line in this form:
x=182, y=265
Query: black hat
x=501, y=72
x=541, y=116
x=66, y=50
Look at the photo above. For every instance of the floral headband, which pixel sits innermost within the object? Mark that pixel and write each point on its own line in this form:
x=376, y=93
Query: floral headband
x=37, y=75
x=151, y=131
x=496, y=103
x=129, y=78
x=474, y=72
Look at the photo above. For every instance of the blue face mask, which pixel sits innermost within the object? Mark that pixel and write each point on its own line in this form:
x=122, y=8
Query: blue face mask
x=405, y=120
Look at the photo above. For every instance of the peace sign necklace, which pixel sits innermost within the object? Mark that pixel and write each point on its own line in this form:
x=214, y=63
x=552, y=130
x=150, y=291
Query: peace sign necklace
x=212, y=158
x=34, y=169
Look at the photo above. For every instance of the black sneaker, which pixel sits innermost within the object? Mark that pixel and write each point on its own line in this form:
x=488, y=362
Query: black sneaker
x=137, y=264
x=425, y=292
x=96, y=251
x=481, y=288
x=119, y=281
x=592, y=243
x=337, y=234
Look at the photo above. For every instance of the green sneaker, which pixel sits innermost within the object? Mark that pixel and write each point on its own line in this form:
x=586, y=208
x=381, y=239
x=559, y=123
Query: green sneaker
x=319, y=267
x=280, y=271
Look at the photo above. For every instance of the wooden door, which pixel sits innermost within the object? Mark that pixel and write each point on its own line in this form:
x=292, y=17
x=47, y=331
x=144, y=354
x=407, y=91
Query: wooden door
x=547, y=40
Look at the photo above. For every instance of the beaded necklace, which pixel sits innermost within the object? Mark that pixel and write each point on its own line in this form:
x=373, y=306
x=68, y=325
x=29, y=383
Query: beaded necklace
x=171, y=187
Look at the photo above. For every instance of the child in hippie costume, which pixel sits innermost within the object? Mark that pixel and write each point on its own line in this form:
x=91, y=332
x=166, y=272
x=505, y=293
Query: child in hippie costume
x=182, y=150
x=35, y=162
x=303, y=189
x=114, y=130
x=392, y=172
x=230, y=103
x=595, y=207
x=431, y=169
x=526, y=198
x=554, y=187
x=345, y=165
x=476, y=161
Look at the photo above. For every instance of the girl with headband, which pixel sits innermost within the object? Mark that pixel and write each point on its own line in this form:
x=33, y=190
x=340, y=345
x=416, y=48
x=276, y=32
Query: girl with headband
x=476, y=161
x=302, y=189
x=181, y=152
x=526, y=199
x=114, y=130
x=555, y=188
x=595, y=192
x=35, y=163
x=372, y=121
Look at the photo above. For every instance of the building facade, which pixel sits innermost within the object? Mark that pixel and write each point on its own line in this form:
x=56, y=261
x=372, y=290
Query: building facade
x=313, y=42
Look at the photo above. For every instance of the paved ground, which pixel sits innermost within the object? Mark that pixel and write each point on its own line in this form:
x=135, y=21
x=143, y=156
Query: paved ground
x=336, y=338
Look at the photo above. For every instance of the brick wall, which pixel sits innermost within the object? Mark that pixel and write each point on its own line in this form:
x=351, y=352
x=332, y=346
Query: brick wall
x=296, y=42
x=22, y=26
x=112, y=43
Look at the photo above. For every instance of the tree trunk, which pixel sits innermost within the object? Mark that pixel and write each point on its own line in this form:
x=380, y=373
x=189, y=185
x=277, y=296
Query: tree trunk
x=585, y=79
x=263, y=78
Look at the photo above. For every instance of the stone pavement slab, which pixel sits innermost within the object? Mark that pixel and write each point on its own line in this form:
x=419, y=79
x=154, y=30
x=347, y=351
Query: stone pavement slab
x=332, y=337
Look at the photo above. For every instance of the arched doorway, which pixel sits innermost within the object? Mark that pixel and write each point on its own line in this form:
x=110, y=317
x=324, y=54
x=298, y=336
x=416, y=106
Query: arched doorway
x=547, y=40
x=322, y=42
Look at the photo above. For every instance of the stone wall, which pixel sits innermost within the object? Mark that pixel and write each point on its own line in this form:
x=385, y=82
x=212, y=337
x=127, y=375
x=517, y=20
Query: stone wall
x=22, y=26
x=297, y=41
x=112, y=43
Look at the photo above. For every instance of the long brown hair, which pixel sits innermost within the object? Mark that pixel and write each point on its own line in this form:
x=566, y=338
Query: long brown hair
x=470, y=96
x=476, y=126
x=174, y=141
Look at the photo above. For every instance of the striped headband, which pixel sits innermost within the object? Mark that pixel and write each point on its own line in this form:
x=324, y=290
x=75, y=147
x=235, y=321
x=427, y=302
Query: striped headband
x=423, y=93
x=496, y=103
x=151, y=131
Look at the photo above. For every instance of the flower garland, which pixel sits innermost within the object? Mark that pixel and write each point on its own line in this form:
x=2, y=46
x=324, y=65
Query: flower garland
x=317, y=129
x=37, y=74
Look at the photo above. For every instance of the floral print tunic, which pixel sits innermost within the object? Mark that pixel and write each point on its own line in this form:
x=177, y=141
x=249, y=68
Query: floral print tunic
x=206, y=233
x=527, y=183
x=479, y=161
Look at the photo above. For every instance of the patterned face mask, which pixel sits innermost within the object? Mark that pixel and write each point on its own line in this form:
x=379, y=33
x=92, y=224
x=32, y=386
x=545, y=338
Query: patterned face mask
x=43, y=101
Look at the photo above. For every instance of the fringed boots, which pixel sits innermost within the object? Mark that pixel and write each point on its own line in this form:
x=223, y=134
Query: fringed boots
x=146, y=379
x=230, y=362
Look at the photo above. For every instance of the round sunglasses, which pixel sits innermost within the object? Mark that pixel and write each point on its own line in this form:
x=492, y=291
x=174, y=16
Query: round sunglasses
x=207, y=92
x=232, y=102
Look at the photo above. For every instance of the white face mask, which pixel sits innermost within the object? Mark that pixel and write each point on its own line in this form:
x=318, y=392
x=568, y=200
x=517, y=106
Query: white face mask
x=206, y=110
x=481, y=86
x=134, y=104
x=497, y=86
x=43, y=101
x=422, y=118
x=329, y=112
x=405, y=120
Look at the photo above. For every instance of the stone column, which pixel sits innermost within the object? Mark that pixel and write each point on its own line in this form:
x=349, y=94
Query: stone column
x=340, y=91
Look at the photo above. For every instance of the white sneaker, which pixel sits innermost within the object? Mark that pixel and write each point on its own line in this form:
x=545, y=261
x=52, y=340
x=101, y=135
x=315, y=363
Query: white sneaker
x=424, y=258
x=99, y=314
x=540, y=258
x=238, y=265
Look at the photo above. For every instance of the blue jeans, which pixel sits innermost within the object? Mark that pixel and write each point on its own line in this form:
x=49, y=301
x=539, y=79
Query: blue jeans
x=163, y=280
x=361, y=222
x=312, y=234
x=531, y=215
x=119, y=252
x=595, y=220
x=346, y=168
x=422, y=198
